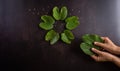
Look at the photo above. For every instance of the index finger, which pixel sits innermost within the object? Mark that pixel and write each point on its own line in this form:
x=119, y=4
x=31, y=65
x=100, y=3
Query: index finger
x=100, y=44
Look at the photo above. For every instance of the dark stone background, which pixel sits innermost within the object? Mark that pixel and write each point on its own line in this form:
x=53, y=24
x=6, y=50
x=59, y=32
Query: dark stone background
x=22, y=44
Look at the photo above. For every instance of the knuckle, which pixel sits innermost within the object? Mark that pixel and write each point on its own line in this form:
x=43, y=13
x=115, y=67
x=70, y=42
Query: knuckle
x=114, y=49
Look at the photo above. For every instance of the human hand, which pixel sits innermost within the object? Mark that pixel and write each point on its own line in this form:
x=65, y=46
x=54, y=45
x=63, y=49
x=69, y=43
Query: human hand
x=108, y=45
x=105, y=56
x=102, y=56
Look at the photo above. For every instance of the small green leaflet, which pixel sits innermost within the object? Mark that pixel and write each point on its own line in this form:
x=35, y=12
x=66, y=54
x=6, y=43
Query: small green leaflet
x=60, y=14
x=72, y=22
x=63, y=13
x=47, y=23
x=67, y=36
x=88, y=41
x=52, y=36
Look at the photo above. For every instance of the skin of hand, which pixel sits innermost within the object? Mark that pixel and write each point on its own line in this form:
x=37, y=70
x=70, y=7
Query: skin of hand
x=109, y=46
x=102, y=56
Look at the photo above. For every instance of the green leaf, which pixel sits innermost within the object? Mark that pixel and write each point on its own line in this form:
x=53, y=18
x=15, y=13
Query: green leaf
x=60, y=14
x=56, y=13
x=52, y=36
x=88, y=41
x=86, y=48
x=88, y=38
x=72, y=22
x=63, y=13
x=65, y=39
x=47, y=23
x=54, y=39
x=67, y=36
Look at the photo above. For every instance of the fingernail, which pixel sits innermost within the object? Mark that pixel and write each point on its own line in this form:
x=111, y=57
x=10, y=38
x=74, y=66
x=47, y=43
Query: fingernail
x=102, y=37
x=93, y=48
x=95, y=42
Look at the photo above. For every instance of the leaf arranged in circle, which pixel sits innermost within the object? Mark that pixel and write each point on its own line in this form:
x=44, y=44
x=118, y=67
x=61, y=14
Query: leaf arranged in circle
x=60, y=14
x=72, y=22
x=63, y=13
x=56, y=13
x=88, y=41
x=47, y=23
x=67, y=36
x=52, y=36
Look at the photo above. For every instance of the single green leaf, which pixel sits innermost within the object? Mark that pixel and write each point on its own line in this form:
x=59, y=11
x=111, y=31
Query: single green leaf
x=56, y=13
x=86, y=48
x=88, y=40
x=52, y=36
x=47, y=23
x=65, y=39
x=45, y=26
x=54, y=39
x=60, y=14
x=72, y=22
x=69, y=34
x=63, y=13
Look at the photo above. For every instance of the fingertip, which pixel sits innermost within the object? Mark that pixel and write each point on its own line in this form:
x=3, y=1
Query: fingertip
x=107, y=39
x=92, y=56
x=102, y=38
x=93, y=49
x=100, y=44
x=95, y=42
x=96, y=51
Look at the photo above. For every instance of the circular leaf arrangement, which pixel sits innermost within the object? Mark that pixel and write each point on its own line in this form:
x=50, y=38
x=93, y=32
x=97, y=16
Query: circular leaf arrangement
x=59, y=15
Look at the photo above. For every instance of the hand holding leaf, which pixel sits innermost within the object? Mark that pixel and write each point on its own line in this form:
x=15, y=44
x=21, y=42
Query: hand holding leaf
x=88, y=41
